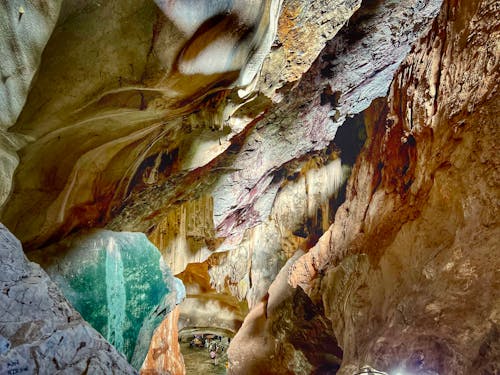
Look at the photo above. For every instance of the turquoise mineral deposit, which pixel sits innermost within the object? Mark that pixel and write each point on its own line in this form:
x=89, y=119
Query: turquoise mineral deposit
x=119, y=284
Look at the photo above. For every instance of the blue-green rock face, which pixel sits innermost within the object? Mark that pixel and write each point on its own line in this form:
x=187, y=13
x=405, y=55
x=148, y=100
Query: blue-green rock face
x=119, y=284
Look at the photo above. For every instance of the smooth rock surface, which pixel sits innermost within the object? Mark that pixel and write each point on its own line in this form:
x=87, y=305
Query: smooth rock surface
x=25, y=28
x=40, y=332
x=164, y=355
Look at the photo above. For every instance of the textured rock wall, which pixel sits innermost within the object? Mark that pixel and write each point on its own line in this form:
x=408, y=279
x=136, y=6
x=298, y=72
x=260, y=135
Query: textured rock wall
x=408, y=272
x=40, y=333
x=145, y=136
x=125, y=131
x=306, y=119
x=187, y=234
x=374, y=44
x=301, y=210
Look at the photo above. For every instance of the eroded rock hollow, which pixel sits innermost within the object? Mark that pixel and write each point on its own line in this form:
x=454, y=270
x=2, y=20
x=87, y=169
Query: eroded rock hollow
x=249, y=187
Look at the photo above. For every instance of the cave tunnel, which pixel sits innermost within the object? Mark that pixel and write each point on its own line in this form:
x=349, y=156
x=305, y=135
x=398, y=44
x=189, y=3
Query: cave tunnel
x=249, y=187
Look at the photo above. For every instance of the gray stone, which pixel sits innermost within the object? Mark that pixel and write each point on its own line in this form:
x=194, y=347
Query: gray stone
x=46, y=335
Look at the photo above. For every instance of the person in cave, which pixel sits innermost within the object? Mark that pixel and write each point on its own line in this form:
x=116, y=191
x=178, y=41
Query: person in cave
x=213, y=355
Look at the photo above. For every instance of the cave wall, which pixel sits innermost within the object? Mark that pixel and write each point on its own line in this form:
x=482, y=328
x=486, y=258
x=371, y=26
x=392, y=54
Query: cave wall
x=231, y=164
x=164, y=355
x=25, y=30
x=408, y=272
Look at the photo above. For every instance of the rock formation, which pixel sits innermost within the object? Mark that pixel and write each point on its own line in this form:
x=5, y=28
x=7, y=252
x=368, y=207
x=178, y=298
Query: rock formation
x=25, y=29
x=118, y=282
x=321, y=173
x=407, y=273
x=40, y=333
x=284, y=334
x=164, y=354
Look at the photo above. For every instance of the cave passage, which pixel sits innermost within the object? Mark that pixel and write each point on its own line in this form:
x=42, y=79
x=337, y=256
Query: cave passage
x=249, y=187
x=205, y=351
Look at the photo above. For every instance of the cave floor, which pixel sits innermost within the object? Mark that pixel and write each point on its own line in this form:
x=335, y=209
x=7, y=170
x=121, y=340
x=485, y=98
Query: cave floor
x=198, y=361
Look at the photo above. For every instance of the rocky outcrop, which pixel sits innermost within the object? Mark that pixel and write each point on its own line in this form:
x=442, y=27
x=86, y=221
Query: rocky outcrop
x=408, y=272
x=300, y=128
x=284, y=334
x=164, y=356
x=40, y=333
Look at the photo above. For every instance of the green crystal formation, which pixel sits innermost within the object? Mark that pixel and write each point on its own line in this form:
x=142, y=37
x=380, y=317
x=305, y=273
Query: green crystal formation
x=118, y=282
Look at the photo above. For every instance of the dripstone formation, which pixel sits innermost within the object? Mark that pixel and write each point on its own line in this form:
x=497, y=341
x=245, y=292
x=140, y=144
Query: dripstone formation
x=316, y=179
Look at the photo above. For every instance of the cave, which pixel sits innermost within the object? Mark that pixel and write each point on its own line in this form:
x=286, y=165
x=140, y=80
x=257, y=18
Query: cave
x=249, y=187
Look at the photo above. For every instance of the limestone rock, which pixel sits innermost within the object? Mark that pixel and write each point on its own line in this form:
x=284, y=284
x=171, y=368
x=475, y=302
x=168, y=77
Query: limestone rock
x=200, y=126
x=204, y=306
x=300, y=210
x=164, y=356
x=308, y=117
x=40, y=333
x=24, y=30
x=119, y=284
x=284, y=334
x=303, y=30
x=408, y=272
x=149, y=124
x=186, y=234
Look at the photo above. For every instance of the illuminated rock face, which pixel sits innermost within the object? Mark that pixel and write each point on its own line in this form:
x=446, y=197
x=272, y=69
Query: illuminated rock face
x=406, y=274
x=293, y=337
x=25, y=29
x=40, y=332
x=164, y=355
x=118, y=283
x=218, y=128
x=151, y=122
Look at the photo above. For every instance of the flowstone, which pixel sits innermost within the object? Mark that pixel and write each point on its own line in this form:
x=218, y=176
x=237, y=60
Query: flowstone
x=119, y=284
